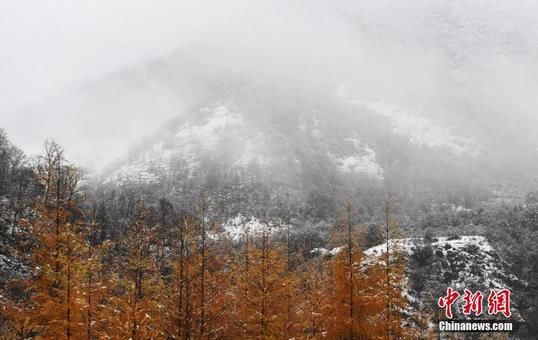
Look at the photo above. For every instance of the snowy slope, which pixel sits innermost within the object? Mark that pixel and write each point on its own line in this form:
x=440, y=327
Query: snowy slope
x=222, y=133
x=187, y=144
x=361, y=160
x=465, y=262
x=420, y=130
x=237, y=228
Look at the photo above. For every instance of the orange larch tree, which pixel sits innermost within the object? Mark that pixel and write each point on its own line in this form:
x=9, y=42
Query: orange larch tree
x=135, y=307
x=54, y=288
x=261, y=290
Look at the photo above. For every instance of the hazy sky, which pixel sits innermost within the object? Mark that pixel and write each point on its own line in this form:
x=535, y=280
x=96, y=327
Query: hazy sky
x=52, y=47
x=423, y=53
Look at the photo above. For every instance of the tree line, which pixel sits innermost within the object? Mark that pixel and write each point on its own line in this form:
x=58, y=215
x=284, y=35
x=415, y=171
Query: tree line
x=170, y=276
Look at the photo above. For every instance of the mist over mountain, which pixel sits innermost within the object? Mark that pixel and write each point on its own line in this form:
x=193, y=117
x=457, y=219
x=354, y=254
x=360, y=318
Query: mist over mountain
x=461, y=70
x=335, y=143
x=193, y=150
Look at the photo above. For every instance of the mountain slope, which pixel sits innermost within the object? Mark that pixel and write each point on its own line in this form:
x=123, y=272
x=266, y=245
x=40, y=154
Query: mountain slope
x=433, y=265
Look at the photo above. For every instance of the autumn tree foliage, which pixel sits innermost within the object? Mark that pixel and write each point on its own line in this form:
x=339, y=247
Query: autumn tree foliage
x=94, y=282
x=171, y=274
x=261, y=289
x=357, y=296
x=394, y=273
x=197, y=280
x=135, y=308
x=314, y=299
x=53, y=292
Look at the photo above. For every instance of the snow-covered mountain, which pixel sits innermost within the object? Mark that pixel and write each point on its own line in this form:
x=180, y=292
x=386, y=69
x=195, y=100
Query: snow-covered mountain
x=223, y=133
x=292, y=147
x=465, y=261
x=420, y=130
x=462, y=262
x=434, y=264
x=353, y=137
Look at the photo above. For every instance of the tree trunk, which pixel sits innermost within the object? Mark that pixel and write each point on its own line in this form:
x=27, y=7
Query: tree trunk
x=202, y=288
x=350, y=268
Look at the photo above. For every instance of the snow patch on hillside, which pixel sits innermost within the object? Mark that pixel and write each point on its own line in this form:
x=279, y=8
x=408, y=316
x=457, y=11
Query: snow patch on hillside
x=464, y=262
x=476, y=259
x=208, y=133
x=327, y=252
x=420, y=130
x=187, y=143
x=133, y=173
x=407, y=245
x=362, y=160
x=238, y=227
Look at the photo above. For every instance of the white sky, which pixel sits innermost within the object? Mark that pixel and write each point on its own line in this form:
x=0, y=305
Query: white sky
x=50, y=47
x=47, y=45
x=420, y=51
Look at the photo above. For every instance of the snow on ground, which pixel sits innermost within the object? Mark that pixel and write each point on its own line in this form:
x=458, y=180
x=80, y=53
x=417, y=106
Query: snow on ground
x=477, y=260
x=327, y=252
x=465, y=262
x=207, y=134
x=237, y=227
x=363, y=160
x=187, y=143
x=134, y=173
x=420, y=130
x=407, y=245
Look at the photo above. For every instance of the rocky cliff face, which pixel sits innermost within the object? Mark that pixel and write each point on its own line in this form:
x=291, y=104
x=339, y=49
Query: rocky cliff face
x=465, y=262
